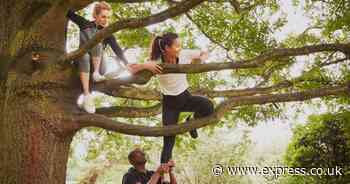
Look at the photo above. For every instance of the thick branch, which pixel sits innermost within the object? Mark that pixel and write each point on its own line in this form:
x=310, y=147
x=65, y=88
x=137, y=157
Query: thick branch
x=144, y=76
x=129, y=1
x=106, y=123
x=80, y=4
x=131, y=112
x=35, y=11
x=152, y=94
x=137, y=93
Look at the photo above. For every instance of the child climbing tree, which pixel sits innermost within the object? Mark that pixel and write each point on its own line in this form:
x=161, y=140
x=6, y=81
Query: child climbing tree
x=39, y=86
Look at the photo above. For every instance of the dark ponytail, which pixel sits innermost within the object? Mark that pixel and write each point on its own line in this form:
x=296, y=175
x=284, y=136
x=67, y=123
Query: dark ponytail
x=160, y=43
x=156, y=51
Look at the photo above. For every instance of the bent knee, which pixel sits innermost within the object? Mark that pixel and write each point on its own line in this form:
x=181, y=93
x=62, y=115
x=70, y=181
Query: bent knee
x=207, y=107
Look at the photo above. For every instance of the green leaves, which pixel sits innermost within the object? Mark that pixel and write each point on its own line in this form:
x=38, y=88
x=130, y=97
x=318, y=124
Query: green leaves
x=244, y=33
x=333, y=19
x=134, y=38
x=323, y=142
x=243, y=36
x=253, y=114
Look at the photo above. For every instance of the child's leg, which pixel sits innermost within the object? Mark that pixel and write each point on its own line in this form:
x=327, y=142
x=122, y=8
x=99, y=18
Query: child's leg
x=96, y=74
x=169, y=117
x=96, y=54
x=84, y=69
x=201, y=106
x=96, y=63
x=103, y=65
x=84, y=72
x=84, y=78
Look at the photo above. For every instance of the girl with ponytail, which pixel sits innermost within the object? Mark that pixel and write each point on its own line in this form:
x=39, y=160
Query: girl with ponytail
x=173, y=86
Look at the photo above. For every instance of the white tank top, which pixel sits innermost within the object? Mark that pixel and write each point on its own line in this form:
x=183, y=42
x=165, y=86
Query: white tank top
x=176, y=83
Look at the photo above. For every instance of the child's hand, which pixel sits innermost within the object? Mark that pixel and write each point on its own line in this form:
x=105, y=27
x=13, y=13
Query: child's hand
x=171, y=163
x=204, y=55
x=153, y=67
x=163, y=168
x=131, y=68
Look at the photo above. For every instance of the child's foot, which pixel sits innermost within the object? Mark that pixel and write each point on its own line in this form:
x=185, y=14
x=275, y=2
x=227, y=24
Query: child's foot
x=80, y=101
x=89, y=104
x=193, y=133
x=98, y=77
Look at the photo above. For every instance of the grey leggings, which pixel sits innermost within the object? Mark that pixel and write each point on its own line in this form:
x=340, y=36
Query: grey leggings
x=85, y=62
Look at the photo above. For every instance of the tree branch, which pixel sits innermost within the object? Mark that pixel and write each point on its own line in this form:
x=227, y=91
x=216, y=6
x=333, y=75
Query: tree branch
x=106, y=123
x=235, y=4
x=132, y=23
x=150, y=94
x=80, y=4
x=130, y=112
x=129, y=1
x=137, y=93
x=334, y=62
x=144, y=76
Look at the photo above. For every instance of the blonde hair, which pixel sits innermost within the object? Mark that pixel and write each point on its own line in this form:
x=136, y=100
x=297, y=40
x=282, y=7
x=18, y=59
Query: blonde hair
x=103, y=5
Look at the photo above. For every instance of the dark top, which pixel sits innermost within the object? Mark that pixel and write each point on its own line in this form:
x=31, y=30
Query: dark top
x=84, y=24
x=135, y=177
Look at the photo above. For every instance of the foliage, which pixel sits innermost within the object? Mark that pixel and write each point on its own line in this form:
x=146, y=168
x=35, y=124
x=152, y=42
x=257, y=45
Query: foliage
x=324, y=142
x=243, y=35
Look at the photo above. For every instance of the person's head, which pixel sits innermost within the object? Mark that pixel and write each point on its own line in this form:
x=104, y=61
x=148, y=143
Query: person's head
x=137, y=157
x=101, y=13
x=167, y=45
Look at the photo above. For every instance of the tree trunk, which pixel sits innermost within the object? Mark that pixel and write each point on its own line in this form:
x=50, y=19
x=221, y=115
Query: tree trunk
x=34, y=141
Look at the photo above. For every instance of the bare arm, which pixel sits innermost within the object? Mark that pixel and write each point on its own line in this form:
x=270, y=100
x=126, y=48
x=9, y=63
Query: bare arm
x=198, y=57
x=172, y=178
x=154, y=179
x=171, y=165
x=157, y=175
x=152, y=66
x=134, y=68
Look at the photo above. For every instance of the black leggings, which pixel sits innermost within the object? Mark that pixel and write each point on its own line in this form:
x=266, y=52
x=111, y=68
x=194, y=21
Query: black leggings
x=172, y=106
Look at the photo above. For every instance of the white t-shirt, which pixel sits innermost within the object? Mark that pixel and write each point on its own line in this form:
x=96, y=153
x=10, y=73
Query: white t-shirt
x=176, y=83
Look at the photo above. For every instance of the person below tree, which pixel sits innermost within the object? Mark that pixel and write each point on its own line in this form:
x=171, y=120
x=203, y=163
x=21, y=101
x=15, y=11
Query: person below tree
x=138, y=174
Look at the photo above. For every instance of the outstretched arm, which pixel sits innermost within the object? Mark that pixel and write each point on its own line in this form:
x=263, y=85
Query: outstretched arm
x=150, y=65
x=199, y=56
x=116, y=48
x=77, y=19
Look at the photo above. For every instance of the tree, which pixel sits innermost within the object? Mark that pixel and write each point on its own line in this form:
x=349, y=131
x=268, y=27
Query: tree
x=322, y=143
x=38, y=112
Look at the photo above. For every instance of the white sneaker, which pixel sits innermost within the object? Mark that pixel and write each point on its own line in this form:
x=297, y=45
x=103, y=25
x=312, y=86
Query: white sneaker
x=80, y=101
x=98, y=77
x=89, y=104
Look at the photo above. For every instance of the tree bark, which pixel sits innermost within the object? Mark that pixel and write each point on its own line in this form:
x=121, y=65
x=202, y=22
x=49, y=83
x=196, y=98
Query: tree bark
x=34, y=141
x=38, y=115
